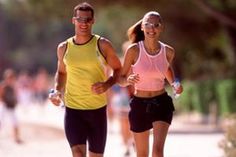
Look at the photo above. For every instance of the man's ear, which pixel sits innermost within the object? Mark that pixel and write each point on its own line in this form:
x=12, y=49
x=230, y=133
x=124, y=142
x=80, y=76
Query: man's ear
x=73, y=20
x=93, y=20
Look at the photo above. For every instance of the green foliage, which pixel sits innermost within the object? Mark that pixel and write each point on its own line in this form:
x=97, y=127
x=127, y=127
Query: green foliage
x=199, y=95
x=184, y=103
x=202, y=96
x=114, y=21
x=221, y=5
x=205, y=46
x=226, y=91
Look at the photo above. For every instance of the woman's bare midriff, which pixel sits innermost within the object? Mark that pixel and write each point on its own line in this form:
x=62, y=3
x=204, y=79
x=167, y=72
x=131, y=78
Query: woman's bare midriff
x=148, y=94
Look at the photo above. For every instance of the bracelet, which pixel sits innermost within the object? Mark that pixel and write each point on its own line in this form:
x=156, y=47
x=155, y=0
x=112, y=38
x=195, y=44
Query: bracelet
x=55, y=91
x=58, y=92
x=175, y=84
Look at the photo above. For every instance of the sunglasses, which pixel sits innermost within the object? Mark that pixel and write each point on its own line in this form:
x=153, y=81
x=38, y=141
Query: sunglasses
x=151, y=25
x=83, y=20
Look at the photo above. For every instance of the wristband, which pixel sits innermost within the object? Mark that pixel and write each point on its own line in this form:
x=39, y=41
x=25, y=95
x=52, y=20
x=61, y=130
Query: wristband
x=54, y=91
x=175, y=84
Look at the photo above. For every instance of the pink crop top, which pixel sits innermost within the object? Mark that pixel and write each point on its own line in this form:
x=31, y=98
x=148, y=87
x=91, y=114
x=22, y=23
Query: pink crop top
x=151, y=69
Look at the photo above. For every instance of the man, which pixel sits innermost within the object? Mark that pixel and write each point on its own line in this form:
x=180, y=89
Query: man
x=81, y=75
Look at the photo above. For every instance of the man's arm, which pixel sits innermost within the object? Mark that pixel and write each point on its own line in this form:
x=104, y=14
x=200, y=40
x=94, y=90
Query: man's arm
x=60, y=76
x=113, y=61
x=111, y=58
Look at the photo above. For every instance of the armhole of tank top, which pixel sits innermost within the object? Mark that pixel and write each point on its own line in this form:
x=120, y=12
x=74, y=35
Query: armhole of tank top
x=65, y=50
x=164, y=50
x=98, y=50
x=139, y=54
x=100, y=55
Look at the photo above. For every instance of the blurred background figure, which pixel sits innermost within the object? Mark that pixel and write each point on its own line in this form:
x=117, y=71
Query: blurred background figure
x=120, y=105
x=41, y=86
x=24, y=89
x=9, y=101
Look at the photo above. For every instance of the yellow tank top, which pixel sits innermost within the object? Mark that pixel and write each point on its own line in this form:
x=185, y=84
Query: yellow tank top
x=84, y=66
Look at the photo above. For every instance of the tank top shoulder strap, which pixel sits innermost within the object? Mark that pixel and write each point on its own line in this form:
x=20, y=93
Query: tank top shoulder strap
x=163, y=48
x=69, y=41
x=97, y=38
x=100, y=55
x=140, y=47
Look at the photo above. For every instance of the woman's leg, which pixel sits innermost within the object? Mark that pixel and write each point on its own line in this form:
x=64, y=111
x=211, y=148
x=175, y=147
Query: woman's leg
x=142, y=143
x=160, y=130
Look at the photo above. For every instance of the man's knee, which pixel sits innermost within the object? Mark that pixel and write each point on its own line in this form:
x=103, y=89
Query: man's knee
x=79, y=151
x=91, y=154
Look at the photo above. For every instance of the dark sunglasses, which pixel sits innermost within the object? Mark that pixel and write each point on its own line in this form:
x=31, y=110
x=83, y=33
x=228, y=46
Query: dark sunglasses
x=151, y=25
x=83, y=20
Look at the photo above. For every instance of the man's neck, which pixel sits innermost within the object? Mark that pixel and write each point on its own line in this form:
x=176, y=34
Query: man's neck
x=81, y=39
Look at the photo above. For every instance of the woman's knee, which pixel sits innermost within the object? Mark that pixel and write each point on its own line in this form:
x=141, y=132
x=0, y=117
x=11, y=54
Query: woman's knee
x=158, y=151
x=142, y=154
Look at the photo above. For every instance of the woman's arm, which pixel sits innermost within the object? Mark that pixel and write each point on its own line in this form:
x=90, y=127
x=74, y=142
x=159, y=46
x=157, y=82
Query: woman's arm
x=127, y=77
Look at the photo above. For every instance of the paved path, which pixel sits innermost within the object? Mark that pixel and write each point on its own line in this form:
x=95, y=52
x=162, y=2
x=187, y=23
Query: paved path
x=42, y=131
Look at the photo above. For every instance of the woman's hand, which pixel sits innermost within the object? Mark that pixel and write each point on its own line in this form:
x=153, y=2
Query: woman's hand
x=133, y=78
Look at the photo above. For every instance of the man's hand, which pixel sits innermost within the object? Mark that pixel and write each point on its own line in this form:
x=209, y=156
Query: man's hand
x=55, y=97
x=99, y=87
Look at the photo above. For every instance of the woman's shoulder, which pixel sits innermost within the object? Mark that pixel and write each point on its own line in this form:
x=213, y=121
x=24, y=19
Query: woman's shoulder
x=133, y=47
x=170, y=52
x=132, y=52
x=167, y=46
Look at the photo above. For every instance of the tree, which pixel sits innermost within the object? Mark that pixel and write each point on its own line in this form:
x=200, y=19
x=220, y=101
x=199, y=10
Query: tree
x=203, y=33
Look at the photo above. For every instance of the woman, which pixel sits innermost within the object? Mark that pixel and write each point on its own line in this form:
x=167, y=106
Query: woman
x=147, y=64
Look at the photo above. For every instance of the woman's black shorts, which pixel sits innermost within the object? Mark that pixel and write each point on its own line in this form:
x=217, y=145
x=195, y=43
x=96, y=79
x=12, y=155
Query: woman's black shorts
x=145, y=111
x=90, y=126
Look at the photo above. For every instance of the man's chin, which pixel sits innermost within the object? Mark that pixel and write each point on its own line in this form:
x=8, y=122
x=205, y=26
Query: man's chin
x=84, y=33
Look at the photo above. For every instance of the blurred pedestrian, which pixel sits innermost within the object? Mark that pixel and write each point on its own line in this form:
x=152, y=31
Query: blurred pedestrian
x=24, y=89
x=80, y=75
x=41, y=85
x=120, y=98
x=8, y=96
x=147, y=64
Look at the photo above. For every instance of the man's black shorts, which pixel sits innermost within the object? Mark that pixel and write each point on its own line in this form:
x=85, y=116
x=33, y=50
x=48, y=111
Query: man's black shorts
x=90, y=126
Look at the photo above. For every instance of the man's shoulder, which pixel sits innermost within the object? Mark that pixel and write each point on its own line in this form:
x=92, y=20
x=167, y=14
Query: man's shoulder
x=63, y=44
x=104, y=41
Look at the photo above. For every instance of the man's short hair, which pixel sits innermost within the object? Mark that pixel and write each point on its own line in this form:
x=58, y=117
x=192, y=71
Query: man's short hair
x=83, y=7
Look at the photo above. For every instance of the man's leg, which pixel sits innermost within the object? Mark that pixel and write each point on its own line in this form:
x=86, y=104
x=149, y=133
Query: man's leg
x=79, y=151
